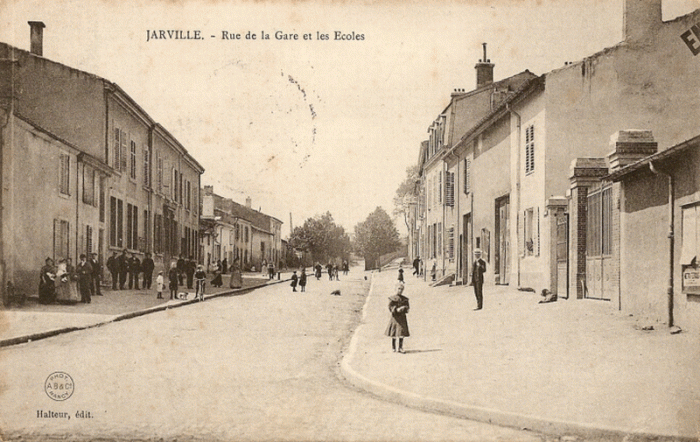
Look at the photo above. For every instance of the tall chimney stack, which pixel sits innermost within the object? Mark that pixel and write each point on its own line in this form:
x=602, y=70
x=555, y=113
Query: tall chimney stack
x=484, y=71
x=248, y=202
x=641, y=19
x=36, y=37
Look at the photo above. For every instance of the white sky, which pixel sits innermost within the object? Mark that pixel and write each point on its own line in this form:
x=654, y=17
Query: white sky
x=243, y=109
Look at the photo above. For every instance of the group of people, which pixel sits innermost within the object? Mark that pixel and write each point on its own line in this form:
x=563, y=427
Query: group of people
x=66, y=283
x=129, y=265
x=300, y=280
x=332, y=270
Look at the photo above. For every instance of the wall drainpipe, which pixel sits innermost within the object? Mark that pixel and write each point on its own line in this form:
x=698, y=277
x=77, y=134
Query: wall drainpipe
x=670, y=239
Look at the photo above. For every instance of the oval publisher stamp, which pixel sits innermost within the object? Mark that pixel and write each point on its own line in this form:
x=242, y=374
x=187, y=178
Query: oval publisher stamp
x=59, y=386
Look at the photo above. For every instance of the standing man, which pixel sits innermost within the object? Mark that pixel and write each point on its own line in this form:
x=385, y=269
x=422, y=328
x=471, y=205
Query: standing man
x=113, y=267
x=96, y=275
x=416, y=266
x=134, y=270
x=181, y=268
x=478, y=270
x=122, y=267
x=190, y=269
x=84, y=271
x=147, y=266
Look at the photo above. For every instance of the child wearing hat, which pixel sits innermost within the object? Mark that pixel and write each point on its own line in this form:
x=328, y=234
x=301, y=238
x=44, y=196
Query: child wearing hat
x=160, y=285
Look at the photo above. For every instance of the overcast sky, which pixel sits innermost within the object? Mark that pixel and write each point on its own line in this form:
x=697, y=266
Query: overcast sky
x=310, y=126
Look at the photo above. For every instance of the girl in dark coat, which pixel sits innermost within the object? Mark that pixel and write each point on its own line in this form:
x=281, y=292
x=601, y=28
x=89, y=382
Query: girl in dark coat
x=173, y=277
x=295, y=278
x=398, y=326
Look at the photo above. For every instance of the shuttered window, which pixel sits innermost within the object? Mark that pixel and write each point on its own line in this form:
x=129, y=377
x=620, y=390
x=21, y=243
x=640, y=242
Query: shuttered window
x=64, y=173
x=122, y=151
x=467, y=175
x=449, y=189
x=530, y=149
x=61, y=239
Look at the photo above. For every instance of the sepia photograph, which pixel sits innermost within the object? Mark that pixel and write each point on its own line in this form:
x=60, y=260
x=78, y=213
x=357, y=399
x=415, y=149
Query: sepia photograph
x=353, y=220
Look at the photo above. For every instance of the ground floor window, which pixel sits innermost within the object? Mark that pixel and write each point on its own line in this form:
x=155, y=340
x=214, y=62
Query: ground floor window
x=61, y=239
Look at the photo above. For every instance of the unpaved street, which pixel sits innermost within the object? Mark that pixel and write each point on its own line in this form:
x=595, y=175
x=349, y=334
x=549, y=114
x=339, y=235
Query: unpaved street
x=262, y=366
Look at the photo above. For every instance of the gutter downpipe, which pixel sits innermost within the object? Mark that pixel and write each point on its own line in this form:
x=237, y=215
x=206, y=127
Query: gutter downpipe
x=656, y=171
x=517, y=189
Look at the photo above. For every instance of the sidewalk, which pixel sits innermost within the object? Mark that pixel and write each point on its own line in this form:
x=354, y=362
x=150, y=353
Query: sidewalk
x=34, y=321
x=574, y=367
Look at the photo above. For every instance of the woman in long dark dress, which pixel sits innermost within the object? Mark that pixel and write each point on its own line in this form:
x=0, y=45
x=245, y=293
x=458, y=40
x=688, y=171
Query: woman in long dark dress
x=47, y=286
x=398, y=325
x=236, y=281
x=217, y=281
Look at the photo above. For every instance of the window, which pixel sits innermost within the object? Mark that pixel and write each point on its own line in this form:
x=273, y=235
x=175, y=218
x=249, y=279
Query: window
x=132, y=227
x=449, y=189
x=439, y=188
x=440, y=248
x=61, y=239
x=64, y=173
x=157, y=232
x=599, y=223
x=146, y=167
x=116, y=222
x=132, y=163
x=100, y=182
x=530, y=149
x=146, y=229
x=88, y=240
x=116, y=149
x=89, y=186
x=246, y=234
x=467, y=173
x=451, y=242
x=159, y=173
x=188, y=196
x=122, y=151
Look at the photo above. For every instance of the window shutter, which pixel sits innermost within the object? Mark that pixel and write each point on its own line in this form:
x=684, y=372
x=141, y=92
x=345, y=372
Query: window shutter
x=450, y=189
x=122, y=151
x=116, y=148
x=538, y=231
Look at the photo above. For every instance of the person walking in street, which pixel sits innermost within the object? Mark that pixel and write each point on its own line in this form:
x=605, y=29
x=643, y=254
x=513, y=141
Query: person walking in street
x=190, y=268
x=346, y=267
x=134, y=270
x=181, y=268
x=433, y=268
x=173, y=277
x=318, y=271
x=47, y=282
x=236, y=281
x=398, y=325
x=271, y=270
x=335, y=272
x=113, y=267
x=122, y=267
x=160, y=285
x=224, y=266
x=295, y=278
x=401, y=275
x=302, y=280
x=84, y=272
x=96, y=275
x=329, y=269
x=147, y=266
x=478, y=270
x=416, y=266
x=200, y=280
x=217, y=281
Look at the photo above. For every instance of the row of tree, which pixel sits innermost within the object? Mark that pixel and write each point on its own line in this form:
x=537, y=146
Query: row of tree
x=322, y=240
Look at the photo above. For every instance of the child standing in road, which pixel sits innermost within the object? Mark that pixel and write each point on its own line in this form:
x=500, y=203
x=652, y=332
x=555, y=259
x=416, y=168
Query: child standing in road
x=398, y=326
x=159, y=285
x=400, y=275
x=302, y=280
x=295, y=278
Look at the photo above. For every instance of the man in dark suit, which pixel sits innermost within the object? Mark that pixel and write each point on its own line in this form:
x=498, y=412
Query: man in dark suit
x=181, y=268
x=147, y=266
x=190, y=268
x=478, y=270
x=134, y=270
x=113, y=267
x=96, y=275
x=122, y=268
x=84, y=272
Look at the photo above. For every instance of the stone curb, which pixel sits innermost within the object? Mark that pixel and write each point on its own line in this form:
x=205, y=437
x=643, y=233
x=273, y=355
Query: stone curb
x=487, y=415
x=124, y=316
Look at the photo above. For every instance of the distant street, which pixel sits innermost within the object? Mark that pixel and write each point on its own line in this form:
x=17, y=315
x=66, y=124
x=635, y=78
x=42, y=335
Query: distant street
x=262, y=366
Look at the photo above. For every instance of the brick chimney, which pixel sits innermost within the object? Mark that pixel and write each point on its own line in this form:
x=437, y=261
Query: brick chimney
x=208, y=190
x=248, y=202
x=36, y=37
x=640, y=19
x=484, y=71
x=629, y=146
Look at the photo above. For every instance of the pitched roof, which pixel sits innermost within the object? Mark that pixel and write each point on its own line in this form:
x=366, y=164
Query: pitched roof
x=259, y=220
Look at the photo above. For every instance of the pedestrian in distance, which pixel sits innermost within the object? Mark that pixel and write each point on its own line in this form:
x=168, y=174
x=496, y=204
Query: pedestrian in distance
x=181, y=269
x=134, y=271
x=346, y=267
x=236, y=281
x=416, y=266
x=295, y=278
x=335, y=272
x=84, y=272
x=173, y=277
x=217, y=281
x=113, y=267
x=397, y=329
x=433, y=269
x=96, y=275
x=271, y=270
x=147, y=266
x=224, y=265
x=200, y=281
x=122, y=268
x=318, y=270
x=47, y=282
x=400, y=275
x=478, y=270
x=329, y=269
x=160, y=285
x=302, y=280
x=190, y=268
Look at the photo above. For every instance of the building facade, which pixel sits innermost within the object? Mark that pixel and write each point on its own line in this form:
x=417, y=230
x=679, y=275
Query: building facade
x=110, y=177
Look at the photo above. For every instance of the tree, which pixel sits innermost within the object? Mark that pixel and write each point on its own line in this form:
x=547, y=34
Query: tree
x=376, y=236
x=406, y=194
x=321, y=237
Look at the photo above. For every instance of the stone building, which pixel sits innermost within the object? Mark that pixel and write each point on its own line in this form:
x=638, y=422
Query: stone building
x=85, y=169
